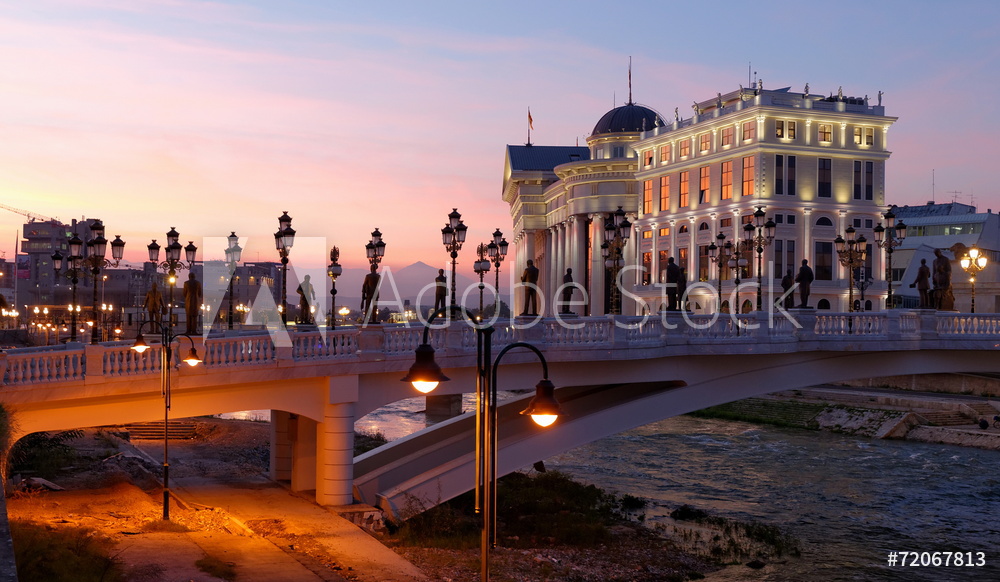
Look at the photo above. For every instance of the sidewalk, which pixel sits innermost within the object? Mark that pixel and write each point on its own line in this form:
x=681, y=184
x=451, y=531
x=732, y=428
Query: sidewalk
x=361, y=556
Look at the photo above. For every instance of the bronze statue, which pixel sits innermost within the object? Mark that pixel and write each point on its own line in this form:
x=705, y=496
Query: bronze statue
x=192, y=303
x=943, y=297
x=440, y=290
x=923, y=284
x=154, y=304
x=307, y=297
x=567, y=290
x=805, y=279
x=530, y=276
x=369, y=295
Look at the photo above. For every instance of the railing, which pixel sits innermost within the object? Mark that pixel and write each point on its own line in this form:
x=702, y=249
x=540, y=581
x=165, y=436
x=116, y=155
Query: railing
x=671, y=331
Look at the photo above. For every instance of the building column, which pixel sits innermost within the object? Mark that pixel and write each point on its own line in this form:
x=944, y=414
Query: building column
x=654, y=265
x=335, y=455
x=281, y=447
x=596, y=266
x=807, y=241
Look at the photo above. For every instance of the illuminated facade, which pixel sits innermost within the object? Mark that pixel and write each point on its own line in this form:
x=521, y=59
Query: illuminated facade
x=815, y=164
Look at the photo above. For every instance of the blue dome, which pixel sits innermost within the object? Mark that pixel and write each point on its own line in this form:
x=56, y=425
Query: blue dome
x=626, y=119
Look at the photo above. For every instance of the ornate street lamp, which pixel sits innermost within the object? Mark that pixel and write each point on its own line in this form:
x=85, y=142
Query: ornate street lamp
x=763, y=237
x=375, y=249
x=498, y=251
x=889, y=237
x=97, y=248
x=76, y=262
x=333, y=271
x=617, y=230
x=738, y=262
x=851, y=253
x=425, y=375
x=284, y=238
x=973, y=262
x=233, y=255
x=453, y=236
x=481, y=267
x=166, y=361
x=173, y=263
x=717, y=253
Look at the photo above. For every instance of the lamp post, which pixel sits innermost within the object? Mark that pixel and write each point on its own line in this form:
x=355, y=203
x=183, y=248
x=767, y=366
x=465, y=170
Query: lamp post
x=233, y=255
x=453, y=235
x=374, y=250
x=333, y=271
x=74, y=262
x=717, y=254
x=737, y=262
x=862, y=282
x=973, y=262
x=481, y=267
x=763, y=237
x=851, y=253
x=425, y=374
x=498, y=251
x=617, y=230
x=97, y=247
x=192, y=359
x=284, y=238
x=173, y=262
x=889, y=237
x=106, y=310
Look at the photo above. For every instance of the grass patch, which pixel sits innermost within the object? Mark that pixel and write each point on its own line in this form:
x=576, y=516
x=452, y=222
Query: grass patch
x=76, y=554
x=216, y=567
x=366, y=440
x=532, y=510
x=738, y=539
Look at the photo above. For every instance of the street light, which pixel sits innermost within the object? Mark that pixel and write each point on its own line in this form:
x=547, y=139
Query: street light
x=173, y=262
x=333, y=271
x=425, y=375
x=453, y=235
x=233, y=255
x=374, y=250
x=889, y=237
x=617, y=230
x=738, y=262
x=74, y=262
x=717, y=253
x=851, y=253
x=284, y=238
x=763, y=237
x=192, y=359
x=498, y=251
x=97, y=247
x=973, y=262
x=481, y=267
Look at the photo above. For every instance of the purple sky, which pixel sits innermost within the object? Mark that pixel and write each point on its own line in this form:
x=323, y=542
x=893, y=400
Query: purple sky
x=217, y=116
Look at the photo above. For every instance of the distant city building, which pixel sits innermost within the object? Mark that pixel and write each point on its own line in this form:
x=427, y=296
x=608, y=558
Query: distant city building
x=954, y=228
x=815, y=164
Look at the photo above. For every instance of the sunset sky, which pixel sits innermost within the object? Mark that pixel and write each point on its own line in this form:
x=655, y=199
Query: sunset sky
x=217, y=116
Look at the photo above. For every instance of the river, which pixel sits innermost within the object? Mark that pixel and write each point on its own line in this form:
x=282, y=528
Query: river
x=850, y=501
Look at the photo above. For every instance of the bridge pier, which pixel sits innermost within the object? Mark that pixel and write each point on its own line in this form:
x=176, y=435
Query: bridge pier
x=315, y=455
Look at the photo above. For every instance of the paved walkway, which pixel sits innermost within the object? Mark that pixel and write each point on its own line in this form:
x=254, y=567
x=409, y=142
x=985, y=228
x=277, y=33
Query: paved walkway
x=360, y=555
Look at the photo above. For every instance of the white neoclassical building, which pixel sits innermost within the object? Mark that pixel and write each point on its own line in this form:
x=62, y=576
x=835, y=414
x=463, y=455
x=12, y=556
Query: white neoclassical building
x=814, y=164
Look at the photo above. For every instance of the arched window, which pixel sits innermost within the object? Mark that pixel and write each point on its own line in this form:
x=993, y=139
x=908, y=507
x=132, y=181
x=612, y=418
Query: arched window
x=824, y=221
x=823, y=304
x=703, y=226
x=725, y=307
x=683, y=229
x=747, y=306
x=868, y=304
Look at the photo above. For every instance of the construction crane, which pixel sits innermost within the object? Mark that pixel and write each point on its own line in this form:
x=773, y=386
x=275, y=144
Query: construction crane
x=31, y=216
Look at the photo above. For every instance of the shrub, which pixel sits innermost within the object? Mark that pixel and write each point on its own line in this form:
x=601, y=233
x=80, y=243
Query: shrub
x=63, y=554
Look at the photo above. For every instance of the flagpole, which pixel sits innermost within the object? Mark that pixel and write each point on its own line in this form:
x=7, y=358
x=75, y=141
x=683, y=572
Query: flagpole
x=529, y=126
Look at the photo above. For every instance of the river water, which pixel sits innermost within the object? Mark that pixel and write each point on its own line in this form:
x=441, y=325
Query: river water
x=850, y=501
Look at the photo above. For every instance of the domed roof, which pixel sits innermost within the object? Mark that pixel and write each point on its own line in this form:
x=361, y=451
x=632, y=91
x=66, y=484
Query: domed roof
x=627, y=118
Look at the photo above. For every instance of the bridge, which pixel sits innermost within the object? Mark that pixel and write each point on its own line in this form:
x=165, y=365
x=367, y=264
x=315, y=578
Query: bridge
x=612, y=373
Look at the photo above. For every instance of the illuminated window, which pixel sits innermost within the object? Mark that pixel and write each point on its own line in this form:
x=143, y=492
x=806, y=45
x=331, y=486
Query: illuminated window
x=704, y=142
x=665, y=231
x=647, y=158
x=749, y=130
x=864, y=135
x=727, y=180
x=664, y=154
x=703, y=184
x=682, y=229
x=647, y=196
x=725, y=222
x=664, y=193
x=824, y=186
x=746, y=219
x=869, y=136
x=784, y=129
x=685, y=178
x=685, y=147
x=825, y=132
x=647, y=267
x=647, y=234
x=748, y=175
x=727, y=136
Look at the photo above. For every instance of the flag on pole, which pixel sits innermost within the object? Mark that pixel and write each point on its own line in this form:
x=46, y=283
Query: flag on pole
x=530, y=124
